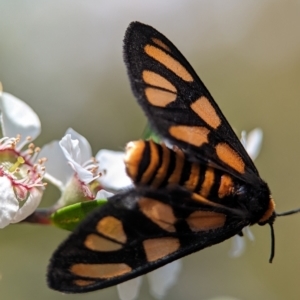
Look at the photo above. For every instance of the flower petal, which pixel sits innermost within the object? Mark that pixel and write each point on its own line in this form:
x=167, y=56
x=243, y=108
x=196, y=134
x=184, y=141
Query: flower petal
x=56, y=165
x=18, y=118
x=84, y=145
x=70, y=148
x=253, y=142
x=29, y=206
x=9, y=205
x=83, y=174
x=238, y=246
x=248, y=233
x=72, y=153
x=162, y=279
x=129, y=290
x=103, y=194
x=112, y=168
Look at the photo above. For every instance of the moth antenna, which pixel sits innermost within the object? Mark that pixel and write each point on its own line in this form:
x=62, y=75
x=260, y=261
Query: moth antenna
x=272, y=243
x=287, y=213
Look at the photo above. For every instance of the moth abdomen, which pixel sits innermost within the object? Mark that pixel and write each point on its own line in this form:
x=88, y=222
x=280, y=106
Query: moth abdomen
x=156, y=165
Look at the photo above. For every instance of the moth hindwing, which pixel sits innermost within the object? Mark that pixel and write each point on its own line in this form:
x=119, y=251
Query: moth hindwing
x=198, y=193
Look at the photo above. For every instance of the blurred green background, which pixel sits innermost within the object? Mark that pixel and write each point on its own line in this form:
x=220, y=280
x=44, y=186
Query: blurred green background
x=64, y=58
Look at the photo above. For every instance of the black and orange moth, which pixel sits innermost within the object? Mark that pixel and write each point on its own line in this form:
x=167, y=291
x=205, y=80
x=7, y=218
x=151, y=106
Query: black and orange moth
x=200, y=192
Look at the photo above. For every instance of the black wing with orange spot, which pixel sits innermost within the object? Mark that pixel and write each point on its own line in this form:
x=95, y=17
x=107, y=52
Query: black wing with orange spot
x=135, y=232
x=179, y=106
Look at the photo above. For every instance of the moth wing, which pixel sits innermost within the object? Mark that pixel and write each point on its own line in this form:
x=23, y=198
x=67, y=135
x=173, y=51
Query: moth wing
x=134, y=233
x=178, y=105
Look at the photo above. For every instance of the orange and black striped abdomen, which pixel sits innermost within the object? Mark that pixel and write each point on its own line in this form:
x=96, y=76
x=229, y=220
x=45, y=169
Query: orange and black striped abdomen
x=148, y=163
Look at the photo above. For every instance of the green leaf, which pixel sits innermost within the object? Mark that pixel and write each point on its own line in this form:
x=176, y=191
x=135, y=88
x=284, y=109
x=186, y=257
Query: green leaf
x=149, y=134
x=70, y=216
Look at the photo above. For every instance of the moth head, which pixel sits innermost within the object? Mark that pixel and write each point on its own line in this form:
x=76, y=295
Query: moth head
x=269, y=218
x=270, y=215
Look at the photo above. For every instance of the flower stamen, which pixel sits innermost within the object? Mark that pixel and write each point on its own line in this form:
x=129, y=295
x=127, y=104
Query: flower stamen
x=15, y=167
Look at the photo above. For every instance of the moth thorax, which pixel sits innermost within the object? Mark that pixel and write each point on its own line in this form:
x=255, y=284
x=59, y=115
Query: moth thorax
x=150, y=163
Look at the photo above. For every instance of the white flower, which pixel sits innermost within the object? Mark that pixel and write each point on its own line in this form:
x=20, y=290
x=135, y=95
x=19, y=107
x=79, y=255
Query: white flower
x=103, y=194
x=21, y=172
x=252, y=143
x=160, y=281
x=238, y=245
x=112, y=169
x=77, y=182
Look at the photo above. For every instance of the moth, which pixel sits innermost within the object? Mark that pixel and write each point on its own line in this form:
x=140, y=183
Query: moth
x=199, y=192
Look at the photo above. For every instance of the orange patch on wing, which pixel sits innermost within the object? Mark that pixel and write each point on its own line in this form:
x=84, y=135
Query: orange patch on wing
x=226, y=186
x=81, y=282
x=205, y=220
x=161, y=44
x=133, y=156
x=203, y=108
x=169, y=62
x=158, y=97
x=98, y=243
x=230, y=157
x=269, y=212
x=159, y=213
x=101, y=271
x=160, y=247
x=113, y=228
x=157, y=80
x=162, y=171
x=208, y=182
x=153, y=164
x=192, y=182
x=195, y=135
